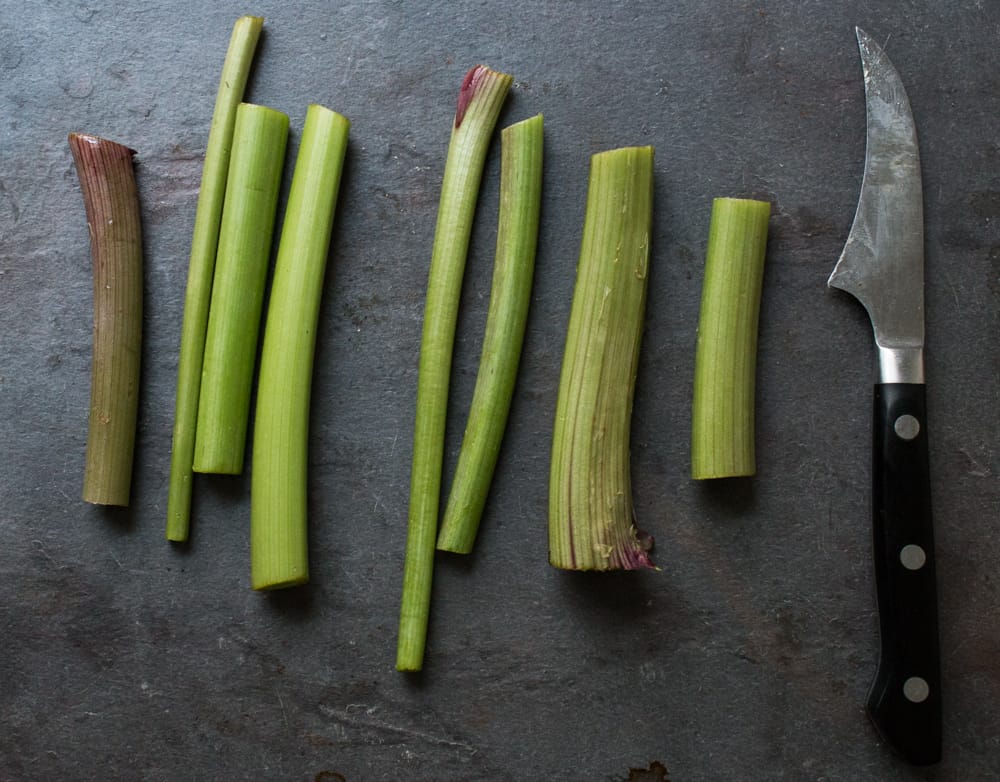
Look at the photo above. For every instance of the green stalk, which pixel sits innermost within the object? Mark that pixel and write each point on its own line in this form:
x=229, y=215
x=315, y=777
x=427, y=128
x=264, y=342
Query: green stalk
x=517, y=235
x=279, y=555
x=112, y=205
x=479, y=100
x=238, y=289
x=204, y=243
x=722, y=414
x=590, y=492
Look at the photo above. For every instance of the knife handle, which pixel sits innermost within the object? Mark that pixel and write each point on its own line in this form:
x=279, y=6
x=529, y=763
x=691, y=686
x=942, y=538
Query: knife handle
x=904, y=702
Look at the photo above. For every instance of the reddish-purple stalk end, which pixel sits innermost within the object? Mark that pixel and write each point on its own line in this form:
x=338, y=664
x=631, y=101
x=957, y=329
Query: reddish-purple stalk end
x=470, y=86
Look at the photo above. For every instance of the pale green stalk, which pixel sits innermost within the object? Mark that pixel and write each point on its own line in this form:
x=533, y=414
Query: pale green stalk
x=590, y=492
x=279, y=555
x=517, y=234
x=238, y=289
x=480, y=98
x=204, y=243
x=722, y=413
x=112, y=204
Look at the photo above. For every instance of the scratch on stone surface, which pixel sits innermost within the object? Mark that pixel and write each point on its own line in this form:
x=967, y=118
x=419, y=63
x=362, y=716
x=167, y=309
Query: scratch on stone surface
x=348, y=718
x=976, y=468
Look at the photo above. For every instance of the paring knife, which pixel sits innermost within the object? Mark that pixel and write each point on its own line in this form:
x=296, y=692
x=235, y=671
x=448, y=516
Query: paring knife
x=882, y=265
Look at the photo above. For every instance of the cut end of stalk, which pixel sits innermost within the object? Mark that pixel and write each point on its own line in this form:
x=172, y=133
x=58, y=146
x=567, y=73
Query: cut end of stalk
x=478, y=80
x=287, y=583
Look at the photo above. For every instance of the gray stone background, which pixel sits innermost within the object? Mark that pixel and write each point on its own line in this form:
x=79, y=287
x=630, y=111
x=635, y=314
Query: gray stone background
x=748, y=656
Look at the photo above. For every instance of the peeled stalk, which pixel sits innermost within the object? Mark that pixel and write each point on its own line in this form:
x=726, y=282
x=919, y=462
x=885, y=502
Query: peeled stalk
x=279, y=555
x=204, y=243
x=238, y=289
x=112, y=205
x=591, y=514
x=722, y=415
x=517, y=234
x=479, y=101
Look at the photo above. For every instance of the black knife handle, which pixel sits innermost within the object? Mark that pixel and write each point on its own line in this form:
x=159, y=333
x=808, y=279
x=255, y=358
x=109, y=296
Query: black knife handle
x=905, y=699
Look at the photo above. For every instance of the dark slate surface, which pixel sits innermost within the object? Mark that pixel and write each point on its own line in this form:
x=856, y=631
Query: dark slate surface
x=747, y=657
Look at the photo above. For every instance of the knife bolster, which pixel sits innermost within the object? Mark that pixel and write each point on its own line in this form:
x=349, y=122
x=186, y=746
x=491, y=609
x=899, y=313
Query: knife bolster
x=900, y=365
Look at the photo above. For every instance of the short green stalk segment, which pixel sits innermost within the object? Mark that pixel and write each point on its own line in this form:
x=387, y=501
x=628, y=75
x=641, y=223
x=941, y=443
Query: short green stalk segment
x=590, y=493
x=517, y=234
x=112, y=204
x=479, y=101
x=238, y=290
x=722, y=417
x=204, y=243
x=279, y=555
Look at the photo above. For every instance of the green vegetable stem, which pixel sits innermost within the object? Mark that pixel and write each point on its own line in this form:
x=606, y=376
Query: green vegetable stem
x=517, y=234
x=590, y=493
x=722, y=416
x=479, y=101
x=238, y=290
x=279, y=555
x=204, y=243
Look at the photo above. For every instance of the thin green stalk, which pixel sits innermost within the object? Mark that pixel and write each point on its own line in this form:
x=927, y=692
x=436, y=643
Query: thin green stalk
x=479, y=100
x=279, y=553
x=722, y=413
x=590, y=492
x=238, y=289
x=204, y=243
x=112, y=204
x=517, y=234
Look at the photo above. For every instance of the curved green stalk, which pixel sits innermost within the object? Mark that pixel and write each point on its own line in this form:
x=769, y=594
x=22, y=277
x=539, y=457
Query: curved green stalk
x=722, y=413
x=238, y=289
x=204, y=243
x=279, y=554
x=590, y=492
x=112, y=204
x=479, y=100
x=517, y=235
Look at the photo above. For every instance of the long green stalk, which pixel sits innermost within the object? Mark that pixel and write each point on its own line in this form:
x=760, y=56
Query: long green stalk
x=517, y=235
x=479, y=100
x=204, y=243
x=238, y=289
x=112, y=205
x=590, y=492
x=722, y=413
x=279, y=554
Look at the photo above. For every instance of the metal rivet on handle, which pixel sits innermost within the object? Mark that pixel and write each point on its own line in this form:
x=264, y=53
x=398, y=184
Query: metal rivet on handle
x=907, y=427
x=913, y=557
x=916, y=689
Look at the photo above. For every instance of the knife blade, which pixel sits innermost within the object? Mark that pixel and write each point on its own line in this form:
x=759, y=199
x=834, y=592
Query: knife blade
x=882, y=265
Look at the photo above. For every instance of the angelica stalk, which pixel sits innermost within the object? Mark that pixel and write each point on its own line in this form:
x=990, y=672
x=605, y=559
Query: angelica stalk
x=204, y=244
x=279, y=540
x=722, y=411
x=510, y=295
x=111, y=200
x=479, y=101
x=591, y=514
x=238, y=288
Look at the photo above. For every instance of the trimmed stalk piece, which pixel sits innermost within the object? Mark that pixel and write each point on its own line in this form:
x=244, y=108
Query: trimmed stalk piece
x=204, y=243
x=479, y=100
x=517, y=235
x=238, y=290
x=590, y=493
x=722, y=415
x=279, y=555
x=112, y=204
